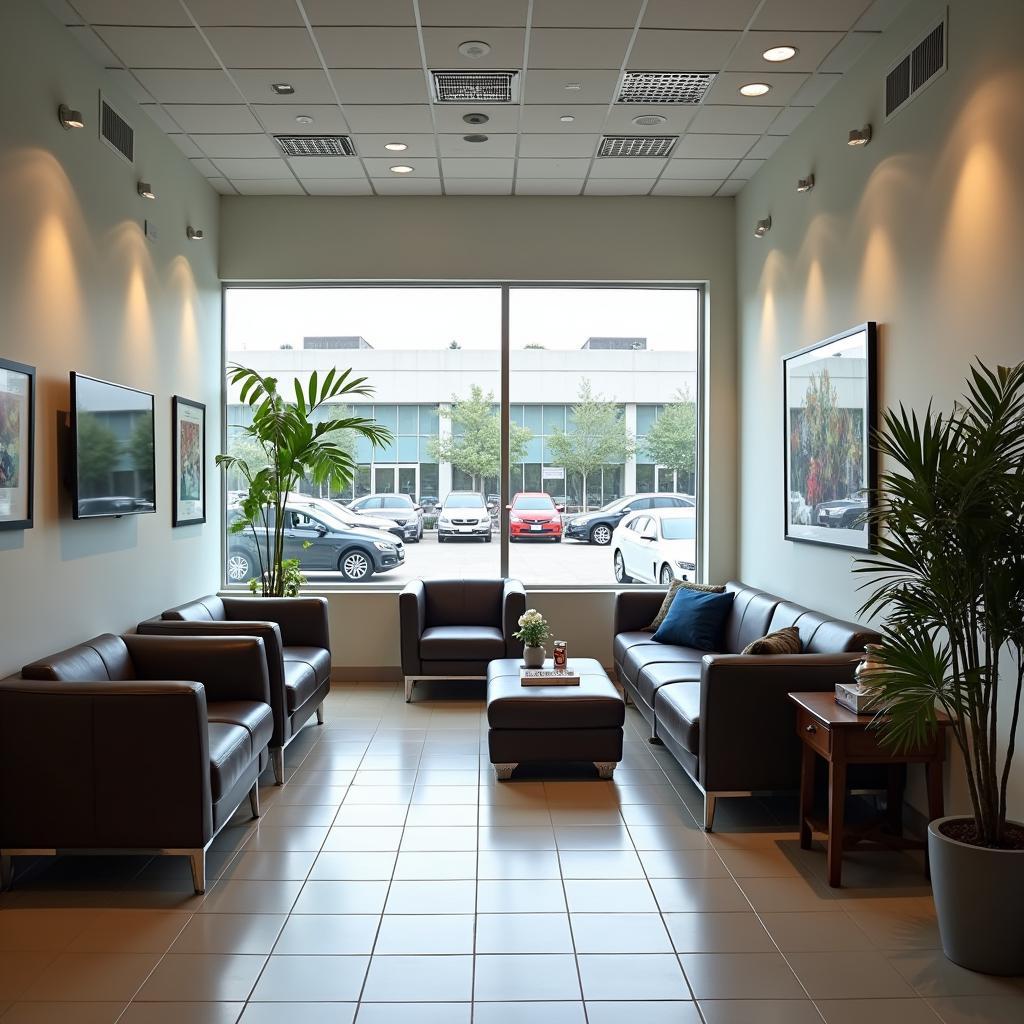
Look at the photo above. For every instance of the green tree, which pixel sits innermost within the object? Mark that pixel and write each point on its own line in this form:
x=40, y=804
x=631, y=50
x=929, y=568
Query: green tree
x=141, y=447
x=598, y=436
x=827, y=449
x=98, y=452
x=474, y=444
x=672, y=440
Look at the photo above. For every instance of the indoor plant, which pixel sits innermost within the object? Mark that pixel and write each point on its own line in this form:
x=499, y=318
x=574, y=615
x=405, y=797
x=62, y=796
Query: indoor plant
x=533, y=631
x=948, y=579
x=297, y=441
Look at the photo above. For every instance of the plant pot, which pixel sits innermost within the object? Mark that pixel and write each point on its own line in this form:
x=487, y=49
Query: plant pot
x=979, y=899
x=533, y=657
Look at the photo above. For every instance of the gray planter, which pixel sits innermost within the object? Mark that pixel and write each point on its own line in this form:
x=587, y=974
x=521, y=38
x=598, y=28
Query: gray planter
x=533, y=657
x=979, y=899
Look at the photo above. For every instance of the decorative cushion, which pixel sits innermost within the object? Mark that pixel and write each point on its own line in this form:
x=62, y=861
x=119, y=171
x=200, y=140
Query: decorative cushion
x=696, y=619
x=673, y=588
x=782, y=641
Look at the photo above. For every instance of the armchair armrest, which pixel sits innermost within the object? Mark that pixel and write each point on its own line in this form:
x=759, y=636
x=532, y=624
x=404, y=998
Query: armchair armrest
x=635, y=609
x=412, y=615
x=302, y=620
x=513, y=604
x=748, y=737
x=94, y=765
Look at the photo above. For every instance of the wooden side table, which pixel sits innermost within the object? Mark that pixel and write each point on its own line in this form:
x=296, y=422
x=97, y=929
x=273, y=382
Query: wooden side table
x=842, y=738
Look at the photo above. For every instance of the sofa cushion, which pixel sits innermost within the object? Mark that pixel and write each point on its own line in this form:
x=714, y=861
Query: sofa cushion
x=782, y=641
x=673, y=588
x=469, y=602
x=255, y=717
x=654, y=677
x=749, y=617
x=677, y=706
x=640, y=656
x=695, y=620
x=317, y=658
x=102, y=657
x=624, y=641
x=819, y=633
x=204, y=609
x=299, y=684
x=230, y=755
x=461, y=643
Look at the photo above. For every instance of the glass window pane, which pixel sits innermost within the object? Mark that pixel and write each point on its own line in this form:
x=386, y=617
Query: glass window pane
x=408, y=419
x=532, y=419
x=408, y=449
x=428, y=420
x=554, y=417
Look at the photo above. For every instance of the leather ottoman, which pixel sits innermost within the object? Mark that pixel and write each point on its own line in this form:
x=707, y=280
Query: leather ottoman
x=553, y=723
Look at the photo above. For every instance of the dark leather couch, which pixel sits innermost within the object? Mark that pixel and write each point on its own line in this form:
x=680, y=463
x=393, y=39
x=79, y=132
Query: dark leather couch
x=725, y=716
x=134, y=743
x=451, y=629
x=297, y=640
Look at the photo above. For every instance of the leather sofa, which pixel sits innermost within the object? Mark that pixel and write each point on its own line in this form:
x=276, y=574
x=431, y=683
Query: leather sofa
x=725, y=716
x=132, y=744
x=297, y=641
x=452, y=629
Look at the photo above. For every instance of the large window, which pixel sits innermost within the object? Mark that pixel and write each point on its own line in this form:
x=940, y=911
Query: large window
x=601, y=417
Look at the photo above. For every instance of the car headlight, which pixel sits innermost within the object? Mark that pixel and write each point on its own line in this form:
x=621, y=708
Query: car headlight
x=513, y=518
x=444, y=521
x=687, y=565
x=382, y=546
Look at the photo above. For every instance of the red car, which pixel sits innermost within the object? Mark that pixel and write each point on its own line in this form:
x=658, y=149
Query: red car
x=533, y=515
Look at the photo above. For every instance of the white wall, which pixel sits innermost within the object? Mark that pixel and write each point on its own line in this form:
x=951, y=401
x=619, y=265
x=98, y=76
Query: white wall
x=921, y=231
x=82, y=289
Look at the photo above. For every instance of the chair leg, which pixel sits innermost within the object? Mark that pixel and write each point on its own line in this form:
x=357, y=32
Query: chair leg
x=503, y=772
x=254, y=799
x=6, y=871
x=409, y=680
x=197, y=861
x=605, y=769
x=709, y=810
x=320, y=713
x=277, y=759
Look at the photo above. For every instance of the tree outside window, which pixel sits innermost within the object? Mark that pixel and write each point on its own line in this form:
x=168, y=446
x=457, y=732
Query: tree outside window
x=671, y=441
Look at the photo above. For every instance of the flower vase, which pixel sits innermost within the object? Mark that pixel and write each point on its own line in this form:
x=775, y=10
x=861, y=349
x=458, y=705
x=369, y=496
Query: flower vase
x=533, y=657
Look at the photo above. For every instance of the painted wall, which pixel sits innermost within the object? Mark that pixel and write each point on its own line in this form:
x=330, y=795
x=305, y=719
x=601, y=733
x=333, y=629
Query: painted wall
x=920, y=230
x=81, y=288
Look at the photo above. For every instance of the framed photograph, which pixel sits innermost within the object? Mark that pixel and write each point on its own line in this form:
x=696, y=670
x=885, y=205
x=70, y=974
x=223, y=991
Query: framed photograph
x=189, y=460
x=17, y=443
x=829, y=403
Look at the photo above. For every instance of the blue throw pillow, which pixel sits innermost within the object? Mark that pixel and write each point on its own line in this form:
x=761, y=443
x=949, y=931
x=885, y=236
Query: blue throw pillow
x=695, y=620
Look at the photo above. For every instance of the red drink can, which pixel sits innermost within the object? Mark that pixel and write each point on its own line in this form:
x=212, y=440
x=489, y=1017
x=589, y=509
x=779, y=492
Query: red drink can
x=560, y=655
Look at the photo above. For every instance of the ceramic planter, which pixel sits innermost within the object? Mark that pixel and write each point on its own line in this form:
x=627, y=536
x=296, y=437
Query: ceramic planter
x=533, y=657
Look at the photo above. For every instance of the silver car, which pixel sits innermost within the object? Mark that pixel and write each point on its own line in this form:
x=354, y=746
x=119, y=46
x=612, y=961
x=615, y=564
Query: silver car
x=399, y=508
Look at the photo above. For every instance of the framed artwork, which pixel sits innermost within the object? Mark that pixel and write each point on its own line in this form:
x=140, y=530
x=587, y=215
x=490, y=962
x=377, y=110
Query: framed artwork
x=189, y=460
x=829, y=409
x=17, y=443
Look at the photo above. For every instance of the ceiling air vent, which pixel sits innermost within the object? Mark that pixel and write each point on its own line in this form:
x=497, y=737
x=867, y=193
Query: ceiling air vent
x=116, y=132
x=475, y=86
x=914, y=70
x=636, y=145
x=315, y=145
x=665, y=86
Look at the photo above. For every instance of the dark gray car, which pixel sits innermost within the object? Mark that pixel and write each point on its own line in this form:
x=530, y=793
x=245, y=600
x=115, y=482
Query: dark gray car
x=400, y=508
x=597, y=527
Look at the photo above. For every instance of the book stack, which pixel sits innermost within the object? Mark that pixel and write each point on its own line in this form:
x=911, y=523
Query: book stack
x=548, y=677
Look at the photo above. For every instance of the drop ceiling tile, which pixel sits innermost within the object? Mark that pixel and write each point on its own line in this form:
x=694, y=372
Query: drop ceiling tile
x=548, y=186
x=129, y=84
x=422, y=167
x=251, y=12
x=442, y=48
x=699, y=169
x=713, y=147
x=213, y=117
x=162, y=119
x=282, y=47
x=94, y=46
x=495, y=146
x=627, y=167
x=369, y=47
x=401, y=85
x=311, y=86
x=730, y=120
x=205, y=168
x=243, y=146
x=815, y=90
x=280, y=118
x=747, y=168
x=237, y=169
x=194, y=86
x=592, y=13
x=563, y=87
x=788, y=120
x=186, y=144
x=680, y=50
x=683, y=187
x=473, y=12
x=342, y=187
x=407, y=187
x=360, y=12
x=158, y=47
x=373, y=144
x=812, y=48
x=880, y=15
x=477, y=186
x=132, y=12
x=578, y=47
x=326, y=166
x=733, y=187
x=375, y=118
x=480, y=167
x=542, y=117
x=551, y=168
x=722, y=14
x=820, y=16
x=63, y=11
x=557, y=145
x=268, y=187
x=766, y=147
x=618, y=186
x=223, y=186
x=726, y=88
x=677, y=119
x=848, y=52
x=503, y=117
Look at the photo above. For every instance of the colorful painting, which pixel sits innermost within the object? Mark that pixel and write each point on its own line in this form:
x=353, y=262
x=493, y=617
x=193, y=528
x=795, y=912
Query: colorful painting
x=189, y=420
x=11, y=454
x=17, y=423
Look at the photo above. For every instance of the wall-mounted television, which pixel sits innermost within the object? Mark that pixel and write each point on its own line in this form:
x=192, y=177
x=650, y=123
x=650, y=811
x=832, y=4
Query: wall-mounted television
x=112, y=449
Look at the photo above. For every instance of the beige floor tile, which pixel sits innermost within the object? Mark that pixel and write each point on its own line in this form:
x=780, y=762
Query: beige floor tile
x=718, y=933
x=545, y=977
x=760, y=1011
x=600, y=864
x=652, y=837
x=609, y=896
x=526, y=837
x=435, y=815
x=328, y=935
x=877, y=1011
x=311, y=978
x=241, y=896
x=425, y=934
x=740, y=976
x=400, y=777
x=419, y=979
x=760, y=862
x=378, y=795
x=371, y=815
x=259, y=865
x=497, y=864
x=632, y=976
x=298, y=1013
x=534, y=1012
x=344, y=897
x=182, y=1013
x=823, y=931
x=931, y=974
x=304, y=815
x=417, y=866
x=202, y=977
x=355, y=838
x=608, y=816
x=515, y=816
x=523, y=933
x=620, y=933
x=979, y=1009
x=514, y=794
x=129, y=931
x=310, y=793
x=703, y=863
x=667, y=1012
x=848, y=975
x=898, y=923
x=414, y=1013
x=428, y=839
x=64, y=1013
x=592, y=837
x=229, y=933
x=782, y=895
x=40, y=930
x=89, y=977
x=448, y=777
x=698, y=895
x=445, y=794
x=431, y=897
x=517, y=896
x=366, y=866
x=303, y=837
x=674, y=815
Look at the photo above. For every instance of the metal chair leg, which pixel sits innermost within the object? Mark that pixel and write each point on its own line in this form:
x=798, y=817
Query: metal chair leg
x=277, y=759
x=503, y=771
x=709, y=811
x=408, y=688
x=197, y=861
x=320, y=713
x=254, y=799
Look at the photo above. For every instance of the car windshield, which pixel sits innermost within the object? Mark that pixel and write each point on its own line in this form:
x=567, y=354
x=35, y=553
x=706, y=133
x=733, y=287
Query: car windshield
x=614, y=506
x=679, y=529
x=534, y=503
x=464, y=501
x=311, y=518
x=398, y=501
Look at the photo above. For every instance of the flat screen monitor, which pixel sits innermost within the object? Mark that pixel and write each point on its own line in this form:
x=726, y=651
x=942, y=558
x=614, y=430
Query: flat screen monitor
x=112, y=447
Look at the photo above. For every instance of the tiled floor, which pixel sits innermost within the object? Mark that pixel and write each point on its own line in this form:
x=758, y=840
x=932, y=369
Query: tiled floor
x=392, y=881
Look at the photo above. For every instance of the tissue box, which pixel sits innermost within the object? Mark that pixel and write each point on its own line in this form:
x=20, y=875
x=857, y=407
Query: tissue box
x=855, y=697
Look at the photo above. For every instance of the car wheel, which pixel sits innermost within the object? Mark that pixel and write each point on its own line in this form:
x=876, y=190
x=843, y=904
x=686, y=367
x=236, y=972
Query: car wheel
x=240, y=566
x=487, y=539
x=558, y=539
x=441, y=539
x=355, y=565
x=620, y=569
x=666, y=576
x=601, y=534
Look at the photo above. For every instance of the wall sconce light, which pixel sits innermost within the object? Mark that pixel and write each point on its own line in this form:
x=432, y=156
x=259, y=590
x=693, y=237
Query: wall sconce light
x=859, y=136
x=763, y=227
x=805, y=184
x=194, y=234
x=70, y=118
x=145, y=190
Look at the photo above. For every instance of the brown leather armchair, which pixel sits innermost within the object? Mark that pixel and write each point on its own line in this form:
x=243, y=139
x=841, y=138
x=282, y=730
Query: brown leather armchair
x=297, y=640
x=451, y=629
x=129, y=744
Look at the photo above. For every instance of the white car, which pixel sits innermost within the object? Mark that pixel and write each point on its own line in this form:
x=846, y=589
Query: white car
x=355, y=520
x=656, y=546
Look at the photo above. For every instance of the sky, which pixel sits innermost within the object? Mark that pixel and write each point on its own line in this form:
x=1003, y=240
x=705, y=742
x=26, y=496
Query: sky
x=431, y=318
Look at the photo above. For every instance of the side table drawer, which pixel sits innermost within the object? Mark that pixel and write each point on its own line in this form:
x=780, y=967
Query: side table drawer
x=813, y=732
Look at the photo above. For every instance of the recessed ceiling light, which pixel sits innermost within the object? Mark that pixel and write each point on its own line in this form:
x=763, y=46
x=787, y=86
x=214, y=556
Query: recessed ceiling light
x=475, y=118
x=303, y=119
x=70, y=118
x=646, y=120
x=859, y=136
x=474, y=49
x=474, y=138
x=194, y=234
x=573, y=86
x=283, y=88
x=396, y=147
x=805, y=184
x=777, y=54
x=145, y=190
x=762, y=227
x=755, y=89
x=402, y=169
x=567, y=119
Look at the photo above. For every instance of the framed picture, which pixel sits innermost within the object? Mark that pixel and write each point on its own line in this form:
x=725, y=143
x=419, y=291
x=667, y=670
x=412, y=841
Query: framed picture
x=829, y=402
x=189, y=461
x=17, y=443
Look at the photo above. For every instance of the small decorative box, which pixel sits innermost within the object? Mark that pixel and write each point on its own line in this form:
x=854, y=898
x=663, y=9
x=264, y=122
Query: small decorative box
x=855, y=697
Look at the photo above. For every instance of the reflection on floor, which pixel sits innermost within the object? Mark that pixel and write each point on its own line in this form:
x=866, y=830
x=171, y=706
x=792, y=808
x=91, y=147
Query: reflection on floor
x=392, y=881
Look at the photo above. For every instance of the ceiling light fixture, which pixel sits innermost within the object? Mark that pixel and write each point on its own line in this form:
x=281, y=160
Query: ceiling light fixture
x=755, y=89
x=474, y=138
x=303, y=119
x=763, y=227
x=474, y=49
x=475, y=118
x=283, y=88
x=777, y=54
x=194, y=234
x=70, y=118
x=573, y=86
x=859, y=136
x=805, y=184
x=395, y=147
x=567, y=119
x=146, y=190
x=646, y=120
x=402, y=169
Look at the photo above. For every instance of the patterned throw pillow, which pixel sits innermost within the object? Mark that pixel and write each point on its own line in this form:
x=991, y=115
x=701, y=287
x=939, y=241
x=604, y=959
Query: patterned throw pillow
x=782, y=641
x=673, y=589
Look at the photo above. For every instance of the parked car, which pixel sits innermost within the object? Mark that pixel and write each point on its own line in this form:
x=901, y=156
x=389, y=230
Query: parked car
x=320, y=542
x=533, y=515
x=464, y=514
x=356, y=520
x=597, y=527
x=398, y=507
x=657, y=546
x=841, y=514
x=429, y=502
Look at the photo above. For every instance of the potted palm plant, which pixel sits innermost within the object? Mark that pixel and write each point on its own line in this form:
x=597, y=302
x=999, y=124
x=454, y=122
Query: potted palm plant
x=292, y=441
x=947, y=578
